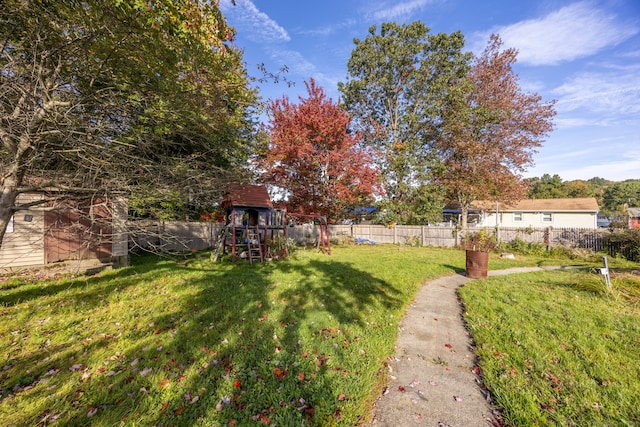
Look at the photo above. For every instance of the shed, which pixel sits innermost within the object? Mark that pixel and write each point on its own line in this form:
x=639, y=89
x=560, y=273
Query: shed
x=62, y=227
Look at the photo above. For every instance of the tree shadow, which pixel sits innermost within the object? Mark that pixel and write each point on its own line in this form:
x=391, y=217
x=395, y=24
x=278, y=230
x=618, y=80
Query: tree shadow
x=231, y=344
x=25, y=289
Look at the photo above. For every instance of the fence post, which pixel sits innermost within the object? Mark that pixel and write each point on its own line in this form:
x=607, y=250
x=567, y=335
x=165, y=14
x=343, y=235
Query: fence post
x=547, y=238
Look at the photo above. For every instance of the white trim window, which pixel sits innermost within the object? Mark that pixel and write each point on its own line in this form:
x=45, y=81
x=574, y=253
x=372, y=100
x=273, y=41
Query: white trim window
x=10, y=226
x=547, y=217
x=517, y=216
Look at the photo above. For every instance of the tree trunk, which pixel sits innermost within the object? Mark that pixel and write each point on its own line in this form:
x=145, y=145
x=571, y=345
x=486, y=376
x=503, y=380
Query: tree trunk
x=464, y=216
x=8, y=196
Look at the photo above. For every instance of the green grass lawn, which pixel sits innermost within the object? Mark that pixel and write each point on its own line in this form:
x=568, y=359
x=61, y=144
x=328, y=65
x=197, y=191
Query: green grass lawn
x=557, y=348
x=295, y=342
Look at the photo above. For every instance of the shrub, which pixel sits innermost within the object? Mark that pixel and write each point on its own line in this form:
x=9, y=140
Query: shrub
x=625, y=243
x=518, y=245
x=480, y=241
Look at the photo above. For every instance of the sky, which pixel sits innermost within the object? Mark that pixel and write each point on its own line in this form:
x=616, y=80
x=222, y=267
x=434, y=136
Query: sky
x=585, y=55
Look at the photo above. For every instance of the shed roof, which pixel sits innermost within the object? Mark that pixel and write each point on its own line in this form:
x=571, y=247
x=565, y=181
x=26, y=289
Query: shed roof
x=582, y=204
x=254, y=196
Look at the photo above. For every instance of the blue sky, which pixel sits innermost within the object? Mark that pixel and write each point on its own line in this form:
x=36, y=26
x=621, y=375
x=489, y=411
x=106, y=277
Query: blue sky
x=584, y=54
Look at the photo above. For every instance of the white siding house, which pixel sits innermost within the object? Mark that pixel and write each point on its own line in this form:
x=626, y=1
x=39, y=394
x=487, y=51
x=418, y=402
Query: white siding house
x=536, y=213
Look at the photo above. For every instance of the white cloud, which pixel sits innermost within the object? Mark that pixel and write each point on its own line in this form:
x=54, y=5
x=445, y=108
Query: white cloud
x=329, y=29
x=575, y=31
x=295, y=61
x=577, y=164
x=610, y=93
x=256, y=25
x=618, y=170
x=399, y=11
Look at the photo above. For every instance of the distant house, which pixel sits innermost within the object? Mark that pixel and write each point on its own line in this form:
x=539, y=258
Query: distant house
x=634, y=218
x=65, y=227
x=533, y=213
x=603, y=220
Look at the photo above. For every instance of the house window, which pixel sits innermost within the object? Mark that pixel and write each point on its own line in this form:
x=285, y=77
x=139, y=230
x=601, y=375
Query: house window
x=10, y=226
x=547, y=217
x=517, y=216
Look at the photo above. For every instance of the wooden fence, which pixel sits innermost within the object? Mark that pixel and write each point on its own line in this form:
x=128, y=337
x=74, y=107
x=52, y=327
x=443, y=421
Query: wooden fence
x=183, y=236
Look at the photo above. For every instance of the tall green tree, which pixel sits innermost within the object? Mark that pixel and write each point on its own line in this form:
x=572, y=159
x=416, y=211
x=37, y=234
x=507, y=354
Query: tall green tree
x=490, y=131
x=397, y=78
x=546, y=187
x=621, y=195
x=142, y=97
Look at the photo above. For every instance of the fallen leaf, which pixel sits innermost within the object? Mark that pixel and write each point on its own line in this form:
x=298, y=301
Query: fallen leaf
x=414, y=383
x=280, y=374
x=92, y=411
x=401, y=389
x=146, y=371
x=164, y=406
x=178, y=411
x=236, y=384
x=165, y=383
x=457, y=398
x=76, y=367
x=341, y=396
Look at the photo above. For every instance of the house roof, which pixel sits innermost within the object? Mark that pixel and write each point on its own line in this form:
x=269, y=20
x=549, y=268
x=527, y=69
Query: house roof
x=582, y=204
x=255, y=196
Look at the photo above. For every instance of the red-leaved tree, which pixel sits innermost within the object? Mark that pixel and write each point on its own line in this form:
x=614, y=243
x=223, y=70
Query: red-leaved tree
x=314, y=158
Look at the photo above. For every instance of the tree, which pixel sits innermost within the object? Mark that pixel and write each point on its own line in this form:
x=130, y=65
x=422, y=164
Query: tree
x=144, y=98
x=396, y=82
x=546, y=187
x=621, y=195
x=314, y=158
x=579, y=188
x=490, y=130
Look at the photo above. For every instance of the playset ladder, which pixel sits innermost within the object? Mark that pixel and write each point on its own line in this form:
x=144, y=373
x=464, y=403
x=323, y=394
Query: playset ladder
x=254, y=246
x=219, y=243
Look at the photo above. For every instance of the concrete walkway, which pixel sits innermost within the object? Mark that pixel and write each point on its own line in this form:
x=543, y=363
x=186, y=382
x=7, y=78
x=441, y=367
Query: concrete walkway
x=432, y=372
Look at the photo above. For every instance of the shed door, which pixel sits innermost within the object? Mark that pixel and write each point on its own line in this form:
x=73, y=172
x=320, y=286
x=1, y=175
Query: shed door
x=77, y=230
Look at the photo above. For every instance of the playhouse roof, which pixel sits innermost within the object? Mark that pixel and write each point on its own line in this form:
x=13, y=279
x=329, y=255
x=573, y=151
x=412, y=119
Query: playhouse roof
x=254, y=196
